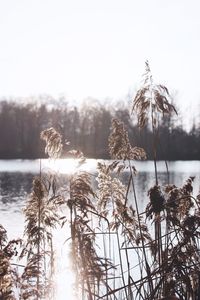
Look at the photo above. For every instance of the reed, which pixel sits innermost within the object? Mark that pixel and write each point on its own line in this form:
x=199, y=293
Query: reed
x=8, y=273
x=115, y=253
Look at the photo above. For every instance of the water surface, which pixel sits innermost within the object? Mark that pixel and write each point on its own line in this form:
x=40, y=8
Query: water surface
x=16, y=181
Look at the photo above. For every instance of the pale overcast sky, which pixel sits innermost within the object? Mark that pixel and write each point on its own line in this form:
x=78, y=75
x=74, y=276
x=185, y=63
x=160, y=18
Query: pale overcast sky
x=98, y=48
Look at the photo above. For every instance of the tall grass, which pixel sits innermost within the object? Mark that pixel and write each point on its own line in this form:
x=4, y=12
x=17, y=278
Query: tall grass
x=116, y=253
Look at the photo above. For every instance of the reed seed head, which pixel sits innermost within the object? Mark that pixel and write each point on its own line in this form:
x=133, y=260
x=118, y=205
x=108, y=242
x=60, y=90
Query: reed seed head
x=53, y=141
x=119, y=145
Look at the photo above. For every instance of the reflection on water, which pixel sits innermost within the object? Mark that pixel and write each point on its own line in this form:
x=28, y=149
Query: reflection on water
x=16, y=180
x=14, y=186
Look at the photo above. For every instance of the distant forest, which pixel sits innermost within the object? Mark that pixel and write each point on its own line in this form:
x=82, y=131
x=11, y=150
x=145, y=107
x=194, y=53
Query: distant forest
x=87, y=129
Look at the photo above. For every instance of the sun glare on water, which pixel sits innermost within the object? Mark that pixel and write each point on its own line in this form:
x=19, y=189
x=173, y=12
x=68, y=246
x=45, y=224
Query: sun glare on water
x=68, y=165
x=63, y=166
x=64, y=276
x=64, y=282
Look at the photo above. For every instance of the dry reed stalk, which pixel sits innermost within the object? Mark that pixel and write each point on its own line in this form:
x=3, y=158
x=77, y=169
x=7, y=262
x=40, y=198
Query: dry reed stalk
x=8, y=275
x=168, y=261
x=41, y=217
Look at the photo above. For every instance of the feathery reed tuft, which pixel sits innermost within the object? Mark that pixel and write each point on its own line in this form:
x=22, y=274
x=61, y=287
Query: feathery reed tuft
x=8, y=276
x=119, y=145
x=53, y=141
x=151, y=99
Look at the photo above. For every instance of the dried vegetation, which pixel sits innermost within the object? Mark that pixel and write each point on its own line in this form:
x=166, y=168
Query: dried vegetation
x=117, y=251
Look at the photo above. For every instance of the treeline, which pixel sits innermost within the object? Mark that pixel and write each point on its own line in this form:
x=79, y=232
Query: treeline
x=87, y=129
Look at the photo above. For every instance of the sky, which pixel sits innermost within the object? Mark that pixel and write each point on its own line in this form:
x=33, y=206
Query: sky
x=98, y=48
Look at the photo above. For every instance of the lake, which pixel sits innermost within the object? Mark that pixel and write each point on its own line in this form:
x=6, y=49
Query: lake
x=16, y=182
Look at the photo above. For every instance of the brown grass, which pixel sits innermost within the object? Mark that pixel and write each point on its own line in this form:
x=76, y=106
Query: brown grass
x=115, y=251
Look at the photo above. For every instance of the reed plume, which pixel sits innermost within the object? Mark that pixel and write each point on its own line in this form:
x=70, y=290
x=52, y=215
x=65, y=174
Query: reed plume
x=151, y=100
x=53, y=141
x=41, y=217
x=119, y=144
x=8, y=275
x=115, y=251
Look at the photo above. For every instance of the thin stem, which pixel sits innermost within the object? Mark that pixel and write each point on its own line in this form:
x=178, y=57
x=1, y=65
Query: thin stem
x=39, y=238
x=121, y=264
x=143, y=248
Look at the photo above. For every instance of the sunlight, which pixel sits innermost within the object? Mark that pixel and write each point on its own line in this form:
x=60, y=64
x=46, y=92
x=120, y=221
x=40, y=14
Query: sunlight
x=64, y=276
x=64, y=281
x=68, y=165
x=63, y=166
